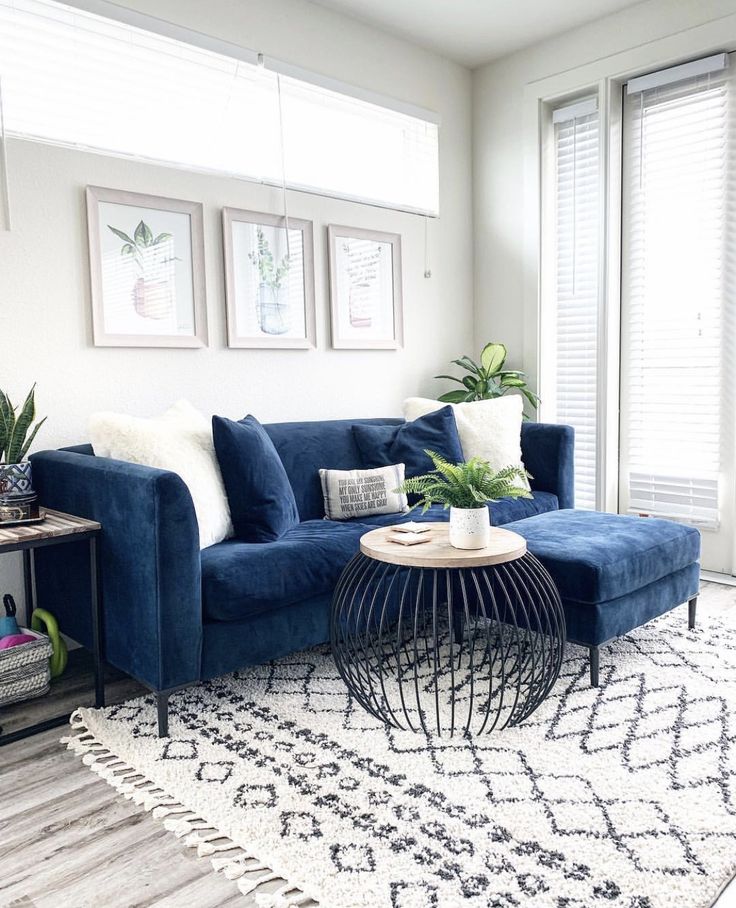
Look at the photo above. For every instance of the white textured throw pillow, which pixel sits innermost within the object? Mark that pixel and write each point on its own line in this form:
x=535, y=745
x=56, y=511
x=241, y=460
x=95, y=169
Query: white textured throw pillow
x=360, y=493
x=489, y=429
x=180, y=441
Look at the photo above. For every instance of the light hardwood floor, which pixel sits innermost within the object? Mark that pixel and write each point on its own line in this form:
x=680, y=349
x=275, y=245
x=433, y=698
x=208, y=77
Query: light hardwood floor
x=68, y=840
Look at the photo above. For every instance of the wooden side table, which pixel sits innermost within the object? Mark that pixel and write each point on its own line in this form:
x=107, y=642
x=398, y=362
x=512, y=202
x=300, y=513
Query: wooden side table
x=433, y=639
x=56, y=529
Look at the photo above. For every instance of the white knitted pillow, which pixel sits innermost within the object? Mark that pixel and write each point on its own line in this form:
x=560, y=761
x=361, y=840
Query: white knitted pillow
x=489, y=429
x=180, y=441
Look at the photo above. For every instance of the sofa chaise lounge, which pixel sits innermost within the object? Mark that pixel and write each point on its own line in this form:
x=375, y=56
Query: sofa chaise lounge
x=174, y=615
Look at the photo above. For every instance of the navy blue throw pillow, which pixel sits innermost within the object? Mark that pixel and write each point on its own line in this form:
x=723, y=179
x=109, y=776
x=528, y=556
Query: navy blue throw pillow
x=262, y=502
x=380, y=446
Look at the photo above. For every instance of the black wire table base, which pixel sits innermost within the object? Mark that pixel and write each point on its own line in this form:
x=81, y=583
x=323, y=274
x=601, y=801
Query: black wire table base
x=448, y=650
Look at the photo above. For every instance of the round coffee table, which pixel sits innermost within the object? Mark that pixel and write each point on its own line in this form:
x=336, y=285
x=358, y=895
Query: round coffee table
x=442, y=640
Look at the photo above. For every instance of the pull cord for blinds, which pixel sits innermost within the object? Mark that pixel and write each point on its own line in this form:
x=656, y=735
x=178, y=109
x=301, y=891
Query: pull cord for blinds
x=4, y=164
x=427, y=269
x=282, y=152
x=642, y=112
x=283, y=166
x=574, y=203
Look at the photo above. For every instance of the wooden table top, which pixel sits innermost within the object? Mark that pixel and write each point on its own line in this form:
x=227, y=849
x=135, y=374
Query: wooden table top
x=438, y=553
x=56, y=524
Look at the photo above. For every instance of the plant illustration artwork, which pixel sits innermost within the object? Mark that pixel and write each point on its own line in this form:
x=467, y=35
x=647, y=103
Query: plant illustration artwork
x=365, y=289
x=363, y=260
x=153, y=291
x=272, y=307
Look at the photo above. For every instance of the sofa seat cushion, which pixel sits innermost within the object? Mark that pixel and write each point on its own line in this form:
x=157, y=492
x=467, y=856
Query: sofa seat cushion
x=595, y=557
x=502, y=511
x=240, y=579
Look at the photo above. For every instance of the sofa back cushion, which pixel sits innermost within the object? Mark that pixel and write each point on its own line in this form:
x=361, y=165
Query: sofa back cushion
x=407, y=443
x=307, y=447
x=261, y=499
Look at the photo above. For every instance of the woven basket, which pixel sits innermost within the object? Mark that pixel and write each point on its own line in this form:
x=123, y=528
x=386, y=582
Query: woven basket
x=24, y=669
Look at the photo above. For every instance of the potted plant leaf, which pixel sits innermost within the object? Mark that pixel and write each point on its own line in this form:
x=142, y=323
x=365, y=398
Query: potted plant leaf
x=153, y=291
x=272, y=315
x=17, y=433
x=466, y=489
x=487, y=378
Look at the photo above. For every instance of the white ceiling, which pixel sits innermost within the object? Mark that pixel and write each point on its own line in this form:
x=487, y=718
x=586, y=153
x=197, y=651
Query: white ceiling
x=475, y=31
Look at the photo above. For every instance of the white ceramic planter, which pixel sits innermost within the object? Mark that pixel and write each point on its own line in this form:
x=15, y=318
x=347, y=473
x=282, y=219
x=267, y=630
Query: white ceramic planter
x=470, y=528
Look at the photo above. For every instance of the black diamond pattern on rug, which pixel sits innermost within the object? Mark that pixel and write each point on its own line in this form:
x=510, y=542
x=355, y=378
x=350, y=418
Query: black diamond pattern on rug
x=622, y=795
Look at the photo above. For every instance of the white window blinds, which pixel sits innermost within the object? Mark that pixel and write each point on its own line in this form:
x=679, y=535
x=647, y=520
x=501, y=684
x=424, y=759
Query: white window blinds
x=79, y=79
x=570, y=395
x=677, y=280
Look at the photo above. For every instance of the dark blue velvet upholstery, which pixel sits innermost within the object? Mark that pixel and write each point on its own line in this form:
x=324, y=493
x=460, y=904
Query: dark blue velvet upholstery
x=241, y=579
x=262, y=503
x=149, y=553
x=159, y=589
x=593, y=624
x=381, y=446
x=268, y=635
x=502, y=512
x=306, y=447
x=594, y=557
x=548, y=452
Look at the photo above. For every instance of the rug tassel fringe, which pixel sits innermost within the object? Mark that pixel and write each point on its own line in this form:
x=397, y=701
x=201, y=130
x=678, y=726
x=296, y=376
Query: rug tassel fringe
x=180, y=820
x=281, y=898
x=247, y=886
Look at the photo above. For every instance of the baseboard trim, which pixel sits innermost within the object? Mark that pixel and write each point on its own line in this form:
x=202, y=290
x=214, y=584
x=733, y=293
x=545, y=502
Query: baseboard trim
x=716, y=577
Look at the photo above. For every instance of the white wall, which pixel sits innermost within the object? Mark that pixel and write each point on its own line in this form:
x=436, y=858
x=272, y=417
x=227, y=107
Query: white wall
x=45, y=321
x=652, y=34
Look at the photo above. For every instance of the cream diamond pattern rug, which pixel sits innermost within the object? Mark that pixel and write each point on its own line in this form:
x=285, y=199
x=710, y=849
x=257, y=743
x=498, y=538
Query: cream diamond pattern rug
x=624, y=796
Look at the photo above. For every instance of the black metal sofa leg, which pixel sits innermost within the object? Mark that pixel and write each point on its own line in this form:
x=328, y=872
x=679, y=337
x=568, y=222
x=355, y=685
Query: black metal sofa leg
x=595, y=663
x=691, y=609
x=162, y=708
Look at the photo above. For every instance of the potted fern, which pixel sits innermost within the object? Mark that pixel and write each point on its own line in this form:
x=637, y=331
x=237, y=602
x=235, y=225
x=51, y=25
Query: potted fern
x=17, y=433
x=466, y=489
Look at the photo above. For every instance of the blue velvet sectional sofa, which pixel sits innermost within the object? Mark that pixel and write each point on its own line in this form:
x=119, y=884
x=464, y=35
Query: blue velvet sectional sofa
x=175, y=615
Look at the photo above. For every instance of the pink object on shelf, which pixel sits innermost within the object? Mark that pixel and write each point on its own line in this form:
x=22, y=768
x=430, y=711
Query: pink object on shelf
x=16, y=640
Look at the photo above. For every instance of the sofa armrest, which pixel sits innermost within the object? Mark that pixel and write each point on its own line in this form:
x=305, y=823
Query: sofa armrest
x=547, y=451
x=149, y=564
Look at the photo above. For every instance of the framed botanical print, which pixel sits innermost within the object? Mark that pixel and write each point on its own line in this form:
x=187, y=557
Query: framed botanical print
x=269, y=280
x=365, y=289
x=147, y=270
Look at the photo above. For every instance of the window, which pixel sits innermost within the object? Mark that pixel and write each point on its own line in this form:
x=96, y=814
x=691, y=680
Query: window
x=678, y=242
x=78, y=79
x=570, y=321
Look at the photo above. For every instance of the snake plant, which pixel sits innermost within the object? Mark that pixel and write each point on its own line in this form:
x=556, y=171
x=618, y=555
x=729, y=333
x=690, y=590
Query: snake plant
x=487, y=379
x=15, y=426
x=464, y=485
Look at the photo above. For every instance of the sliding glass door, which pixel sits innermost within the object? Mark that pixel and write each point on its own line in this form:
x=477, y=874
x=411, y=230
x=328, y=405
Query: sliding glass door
x=677, y=306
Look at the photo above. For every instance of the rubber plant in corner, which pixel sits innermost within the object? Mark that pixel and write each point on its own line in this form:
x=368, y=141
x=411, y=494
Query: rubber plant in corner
x=466, y=489
x=15, y=470
x=487, y=378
